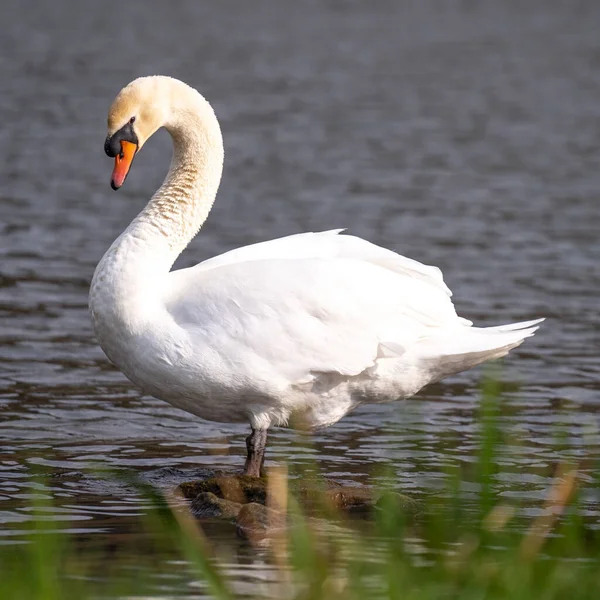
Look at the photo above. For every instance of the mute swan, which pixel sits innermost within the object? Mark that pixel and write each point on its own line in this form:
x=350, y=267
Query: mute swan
x=305, y=327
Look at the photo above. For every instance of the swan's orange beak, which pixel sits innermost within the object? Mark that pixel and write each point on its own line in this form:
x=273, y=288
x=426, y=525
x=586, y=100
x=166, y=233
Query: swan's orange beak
x=123, y=162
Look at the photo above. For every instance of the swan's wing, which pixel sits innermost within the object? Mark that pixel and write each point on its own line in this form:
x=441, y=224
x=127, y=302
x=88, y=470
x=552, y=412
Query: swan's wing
x=328, y=244
x=289, y=319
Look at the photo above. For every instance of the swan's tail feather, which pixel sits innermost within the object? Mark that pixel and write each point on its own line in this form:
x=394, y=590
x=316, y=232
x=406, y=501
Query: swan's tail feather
x=461, y=349
x=513, y=326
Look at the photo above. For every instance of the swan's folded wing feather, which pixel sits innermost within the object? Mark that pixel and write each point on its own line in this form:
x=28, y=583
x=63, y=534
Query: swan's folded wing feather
x=328, y=244
x=294, y=317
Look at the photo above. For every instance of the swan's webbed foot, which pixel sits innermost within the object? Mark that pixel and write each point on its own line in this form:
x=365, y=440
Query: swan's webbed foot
x=256, y=444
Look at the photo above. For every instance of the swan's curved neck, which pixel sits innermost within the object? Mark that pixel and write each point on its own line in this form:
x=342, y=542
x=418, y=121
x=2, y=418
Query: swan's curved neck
x=130, y=275
x=180, y=206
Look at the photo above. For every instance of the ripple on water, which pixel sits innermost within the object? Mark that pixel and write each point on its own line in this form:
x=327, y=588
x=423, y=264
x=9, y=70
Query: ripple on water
x=464, y=139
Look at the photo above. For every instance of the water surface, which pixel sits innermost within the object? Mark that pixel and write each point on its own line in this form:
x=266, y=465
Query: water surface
x=465, y=135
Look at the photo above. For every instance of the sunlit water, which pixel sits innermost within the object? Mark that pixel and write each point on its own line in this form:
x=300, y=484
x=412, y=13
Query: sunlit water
x=466, y=137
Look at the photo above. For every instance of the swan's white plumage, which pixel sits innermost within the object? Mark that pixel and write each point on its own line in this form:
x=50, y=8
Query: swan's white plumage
x=328, y=244
x=309, y=325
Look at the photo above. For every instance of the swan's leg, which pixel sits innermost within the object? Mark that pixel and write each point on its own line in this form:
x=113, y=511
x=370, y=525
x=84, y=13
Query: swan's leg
x=256, y=443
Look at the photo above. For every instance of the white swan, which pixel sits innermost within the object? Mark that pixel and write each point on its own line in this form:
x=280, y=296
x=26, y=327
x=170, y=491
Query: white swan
x=305, y=327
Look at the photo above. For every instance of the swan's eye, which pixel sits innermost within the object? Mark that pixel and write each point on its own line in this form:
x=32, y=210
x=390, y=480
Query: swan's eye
x=132, y=120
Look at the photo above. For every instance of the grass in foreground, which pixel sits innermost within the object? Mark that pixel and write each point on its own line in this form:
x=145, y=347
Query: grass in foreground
x=450, y=551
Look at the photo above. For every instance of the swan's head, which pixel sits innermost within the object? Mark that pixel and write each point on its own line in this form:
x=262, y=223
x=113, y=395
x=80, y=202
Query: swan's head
x=136, y=113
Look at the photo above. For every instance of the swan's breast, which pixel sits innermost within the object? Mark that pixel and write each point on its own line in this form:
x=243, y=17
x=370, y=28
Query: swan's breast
x=170, y=362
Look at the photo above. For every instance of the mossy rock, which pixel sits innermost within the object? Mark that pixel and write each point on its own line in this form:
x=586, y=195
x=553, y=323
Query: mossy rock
x=313, y=495
x=255, y=521
x=241, y=489
x=206, y=505
x=345, y=498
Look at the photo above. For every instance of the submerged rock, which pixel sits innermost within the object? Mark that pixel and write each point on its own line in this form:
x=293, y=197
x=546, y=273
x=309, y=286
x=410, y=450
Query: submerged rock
x=256, y=521
x=347, y=499
x=241, y=489
x=244, y=498
x=244, y=489
x=171, y=476
x=406, y=504
x=206, y=505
